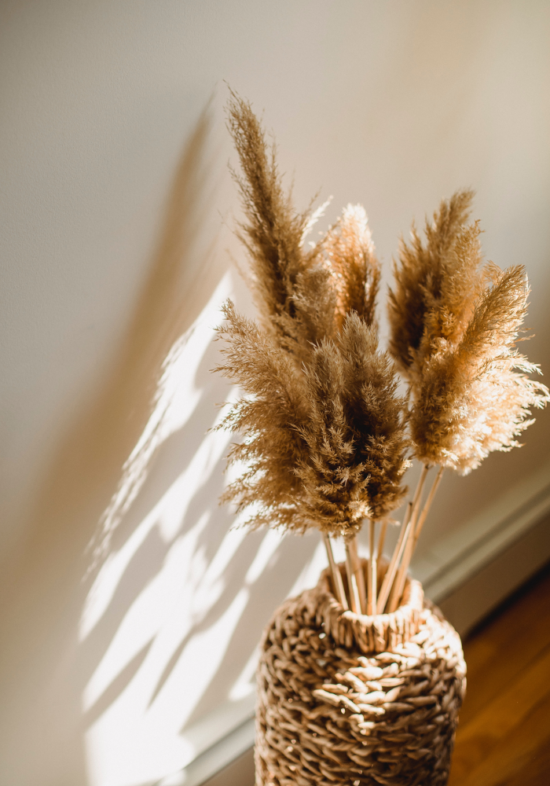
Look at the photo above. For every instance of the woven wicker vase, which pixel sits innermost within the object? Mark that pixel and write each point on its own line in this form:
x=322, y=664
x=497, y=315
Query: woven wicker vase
x=346, y=698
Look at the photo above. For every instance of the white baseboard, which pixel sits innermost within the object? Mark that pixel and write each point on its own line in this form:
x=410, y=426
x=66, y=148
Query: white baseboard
x=467, y=574
x=229, y=762
x=481, y=592
x=478, y=565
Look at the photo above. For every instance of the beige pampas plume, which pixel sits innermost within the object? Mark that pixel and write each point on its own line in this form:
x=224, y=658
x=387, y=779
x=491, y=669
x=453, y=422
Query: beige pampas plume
x=422, y=271
x=324, y=444
x=290, y=285
x=349, y=249
x=355, y=433
x=303, y=295
x=475, y=396
x=267, y=419
x=455, y=325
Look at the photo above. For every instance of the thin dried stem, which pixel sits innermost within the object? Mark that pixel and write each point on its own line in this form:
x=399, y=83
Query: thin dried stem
x=409, y=551
x=420, y=489
x=359, y=575
x=382, y=537
x=396, y=556
x=355, y=601
x=399, y=583
x=427, y=506
x=373, y=570
x=337, y=583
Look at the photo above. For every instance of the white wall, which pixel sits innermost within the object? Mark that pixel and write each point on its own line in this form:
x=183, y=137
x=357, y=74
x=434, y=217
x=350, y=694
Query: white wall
x=117, y=212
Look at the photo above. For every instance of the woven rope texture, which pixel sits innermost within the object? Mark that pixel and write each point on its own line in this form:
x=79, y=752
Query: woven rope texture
x=345, y=698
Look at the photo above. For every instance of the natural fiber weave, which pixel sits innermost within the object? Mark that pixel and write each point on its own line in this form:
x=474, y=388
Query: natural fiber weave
x=346, y=698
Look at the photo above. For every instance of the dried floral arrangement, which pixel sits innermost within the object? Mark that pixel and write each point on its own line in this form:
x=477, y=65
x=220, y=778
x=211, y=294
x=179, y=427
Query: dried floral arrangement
x=325, y=435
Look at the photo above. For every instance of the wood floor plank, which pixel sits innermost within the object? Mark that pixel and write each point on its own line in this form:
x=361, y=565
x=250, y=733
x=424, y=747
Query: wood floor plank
x=504, y=732
x=505, y=647
x=521, y=754
x=506, y=713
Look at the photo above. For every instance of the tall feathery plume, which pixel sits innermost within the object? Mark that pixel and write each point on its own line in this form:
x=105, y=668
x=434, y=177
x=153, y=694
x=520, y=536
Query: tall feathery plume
x=475, y=395
x=455, y=324
x=290, y=285
x=421, y=274
x=349, y=251
x=322, y=424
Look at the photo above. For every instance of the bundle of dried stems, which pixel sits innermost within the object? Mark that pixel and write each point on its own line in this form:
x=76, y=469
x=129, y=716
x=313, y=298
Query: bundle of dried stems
x=325, y=434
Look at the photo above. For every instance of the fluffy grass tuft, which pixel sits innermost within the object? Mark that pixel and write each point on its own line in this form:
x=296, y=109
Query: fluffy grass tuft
x=455, y=326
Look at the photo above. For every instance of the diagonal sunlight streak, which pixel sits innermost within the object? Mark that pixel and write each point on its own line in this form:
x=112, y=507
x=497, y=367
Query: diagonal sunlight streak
x=174, y=403
x=170, y=610
x=159, y=661
x=168, y=603
x=146, y=617
x=125, y=744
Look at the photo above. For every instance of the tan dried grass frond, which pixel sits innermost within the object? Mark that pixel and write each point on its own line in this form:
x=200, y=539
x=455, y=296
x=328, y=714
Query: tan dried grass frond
x=289, y=284
x=356, y=434
x=452, y=307
x=273, y=232
x=349, y=250
x=324, y=443
x=268, y=420
x=474, y=395
x=421, y=275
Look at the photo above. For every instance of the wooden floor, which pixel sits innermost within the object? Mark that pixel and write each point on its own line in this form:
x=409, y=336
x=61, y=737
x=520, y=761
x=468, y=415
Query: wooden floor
x=504, y=731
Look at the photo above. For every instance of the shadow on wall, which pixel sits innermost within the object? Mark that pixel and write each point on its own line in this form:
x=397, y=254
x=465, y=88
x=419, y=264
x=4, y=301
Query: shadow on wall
x=109, y=672
x=42, y=591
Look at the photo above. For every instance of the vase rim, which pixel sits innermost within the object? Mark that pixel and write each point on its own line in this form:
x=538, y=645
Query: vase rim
x=369, y=633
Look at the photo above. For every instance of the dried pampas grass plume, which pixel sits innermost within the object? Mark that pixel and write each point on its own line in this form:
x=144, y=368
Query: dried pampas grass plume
x=303, y=295
x=323, y=434
x=422, y=279
x=470, y=389
x=355, y=434
x=290, y=285
x=349, y=249
x=324, y=444
x=475, y=395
